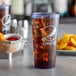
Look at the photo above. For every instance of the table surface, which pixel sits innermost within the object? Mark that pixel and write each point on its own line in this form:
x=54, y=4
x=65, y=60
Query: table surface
x=68, y=20
x=23, y=65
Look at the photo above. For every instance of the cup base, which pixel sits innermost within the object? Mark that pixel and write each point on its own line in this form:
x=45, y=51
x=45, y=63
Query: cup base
x=44, y=67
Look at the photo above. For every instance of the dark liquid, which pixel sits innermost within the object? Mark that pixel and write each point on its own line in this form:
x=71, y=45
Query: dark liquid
x=1, y=15
x=44, y=49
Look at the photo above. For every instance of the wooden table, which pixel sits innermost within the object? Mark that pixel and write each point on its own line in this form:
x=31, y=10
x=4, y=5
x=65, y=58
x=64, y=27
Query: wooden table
x=23, y=65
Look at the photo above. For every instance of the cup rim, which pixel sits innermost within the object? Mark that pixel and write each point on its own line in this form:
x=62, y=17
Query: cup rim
x=44, y=14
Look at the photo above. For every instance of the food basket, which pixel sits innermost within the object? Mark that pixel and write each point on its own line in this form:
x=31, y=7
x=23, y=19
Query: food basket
x=12, y=46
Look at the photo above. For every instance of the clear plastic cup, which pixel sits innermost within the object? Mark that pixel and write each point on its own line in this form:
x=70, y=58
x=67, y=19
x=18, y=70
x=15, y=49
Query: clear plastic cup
x=44, y=31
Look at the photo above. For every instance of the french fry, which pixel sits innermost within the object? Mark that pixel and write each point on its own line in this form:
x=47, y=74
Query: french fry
x=70, y=48
x=59, y=41
x=64, y=41
x=57, y=47
x=73, y=41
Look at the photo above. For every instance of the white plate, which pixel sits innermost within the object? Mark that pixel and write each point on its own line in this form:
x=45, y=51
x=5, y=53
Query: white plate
x=66, y=52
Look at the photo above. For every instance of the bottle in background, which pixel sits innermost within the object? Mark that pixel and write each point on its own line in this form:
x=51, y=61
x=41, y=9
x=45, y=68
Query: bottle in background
x=24, y=29
x=28, y=10
x=13, y=27
x=41, y=6
x=61, y=7
x=17, y=9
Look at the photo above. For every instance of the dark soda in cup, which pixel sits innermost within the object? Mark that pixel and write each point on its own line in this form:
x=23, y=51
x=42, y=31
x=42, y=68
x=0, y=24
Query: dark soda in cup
x=44, y=31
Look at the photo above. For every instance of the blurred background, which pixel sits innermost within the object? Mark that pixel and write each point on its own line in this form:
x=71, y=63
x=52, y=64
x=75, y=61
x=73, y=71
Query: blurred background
x=22, y=9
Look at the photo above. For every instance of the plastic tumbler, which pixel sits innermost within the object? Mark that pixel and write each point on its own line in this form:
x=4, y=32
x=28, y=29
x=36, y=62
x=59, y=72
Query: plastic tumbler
x=44, y=32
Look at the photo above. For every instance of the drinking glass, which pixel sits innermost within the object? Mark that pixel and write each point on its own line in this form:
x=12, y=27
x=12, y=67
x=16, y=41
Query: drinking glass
x=44, y=32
